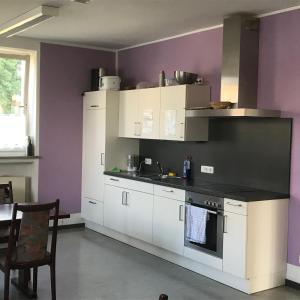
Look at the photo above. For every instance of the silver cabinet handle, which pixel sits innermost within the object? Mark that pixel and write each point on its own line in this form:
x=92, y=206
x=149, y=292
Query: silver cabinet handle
x=181, y=213
x=102, y=159
x=92, y=202
x=123, y=198
x=168, y=191
x=126, y=198
x=232, y=204
x=113, y=179
x=181, y=130
x=225, y=224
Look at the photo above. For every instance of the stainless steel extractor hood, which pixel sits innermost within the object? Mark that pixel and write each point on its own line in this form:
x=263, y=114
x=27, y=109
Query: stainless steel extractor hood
x=239, y=70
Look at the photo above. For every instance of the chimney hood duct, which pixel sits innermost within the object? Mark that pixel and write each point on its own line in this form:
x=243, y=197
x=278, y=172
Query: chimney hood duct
x=239, y=71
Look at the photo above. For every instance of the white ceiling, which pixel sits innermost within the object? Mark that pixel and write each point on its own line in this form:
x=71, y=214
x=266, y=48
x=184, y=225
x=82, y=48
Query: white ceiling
x=121, y=23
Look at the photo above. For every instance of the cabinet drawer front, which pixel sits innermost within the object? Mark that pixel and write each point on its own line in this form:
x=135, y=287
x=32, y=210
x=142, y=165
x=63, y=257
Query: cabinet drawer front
x=169, y=192
x=95, y=100
x=203, y=258
x=235, y=206
x=92, y=211
x=129, y=184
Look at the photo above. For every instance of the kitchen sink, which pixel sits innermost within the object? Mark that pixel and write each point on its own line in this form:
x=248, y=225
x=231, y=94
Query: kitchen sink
x=163, y=178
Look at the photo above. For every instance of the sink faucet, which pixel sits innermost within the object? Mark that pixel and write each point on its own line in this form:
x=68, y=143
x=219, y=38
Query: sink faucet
x=160, y=168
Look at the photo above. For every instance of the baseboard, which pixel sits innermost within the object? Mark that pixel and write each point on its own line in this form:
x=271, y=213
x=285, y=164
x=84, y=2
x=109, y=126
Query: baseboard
x=244, y=285
x=73, y=220
x=71, y=226
x=292, y=284
x=293, y=273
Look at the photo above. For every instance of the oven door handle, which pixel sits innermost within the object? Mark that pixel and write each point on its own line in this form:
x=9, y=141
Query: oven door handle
x=225, y=224
x=208, y=210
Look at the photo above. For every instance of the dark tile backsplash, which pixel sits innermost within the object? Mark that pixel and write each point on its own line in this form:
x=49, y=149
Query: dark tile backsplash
x=248, y=152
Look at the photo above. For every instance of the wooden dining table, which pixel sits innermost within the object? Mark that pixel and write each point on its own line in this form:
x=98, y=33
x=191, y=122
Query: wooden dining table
x=23, y=281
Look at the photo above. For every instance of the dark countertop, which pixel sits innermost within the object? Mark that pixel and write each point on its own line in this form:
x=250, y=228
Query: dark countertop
x=240, y=193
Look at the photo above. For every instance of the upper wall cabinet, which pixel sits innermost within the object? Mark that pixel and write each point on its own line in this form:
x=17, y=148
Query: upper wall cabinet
x=159, y=113
x=128, y=114
x=173, y=122
x=139, y=113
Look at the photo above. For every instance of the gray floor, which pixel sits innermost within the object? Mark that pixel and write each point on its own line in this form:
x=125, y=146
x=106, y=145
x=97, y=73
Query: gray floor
x=94, y=267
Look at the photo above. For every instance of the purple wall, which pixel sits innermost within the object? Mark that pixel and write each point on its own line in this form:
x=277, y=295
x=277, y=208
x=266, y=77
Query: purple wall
x=200, y=53
x=279, y=88
x=64, y=75
x=279, y=80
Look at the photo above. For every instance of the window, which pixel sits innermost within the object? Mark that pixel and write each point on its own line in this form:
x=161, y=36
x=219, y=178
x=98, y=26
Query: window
x=14, y=76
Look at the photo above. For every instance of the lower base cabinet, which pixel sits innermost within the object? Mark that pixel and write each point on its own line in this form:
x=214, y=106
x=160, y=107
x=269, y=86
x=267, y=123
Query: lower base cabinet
x=139, y=215
x=114, y=208
x=234, y=245
x=129, y=212
x=168, y=224
x=92, y=210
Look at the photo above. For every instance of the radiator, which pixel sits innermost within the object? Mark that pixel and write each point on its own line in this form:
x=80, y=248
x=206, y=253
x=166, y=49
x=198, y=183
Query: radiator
x=20, y=186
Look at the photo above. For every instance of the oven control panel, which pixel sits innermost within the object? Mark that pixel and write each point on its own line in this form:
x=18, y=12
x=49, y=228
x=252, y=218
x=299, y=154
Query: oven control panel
x=205, y=200
x=213, y=204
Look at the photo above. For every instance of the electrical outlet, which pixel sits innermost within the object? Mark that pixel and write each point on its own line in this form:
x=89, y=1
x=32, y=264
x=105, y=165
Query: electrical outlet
x=148, y=161
x=207, y=169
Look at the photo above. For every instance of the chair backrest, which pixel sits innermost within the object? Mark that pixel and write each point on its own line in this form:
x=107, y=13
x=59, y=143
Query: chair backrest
x=6, y=193
x=28, y=240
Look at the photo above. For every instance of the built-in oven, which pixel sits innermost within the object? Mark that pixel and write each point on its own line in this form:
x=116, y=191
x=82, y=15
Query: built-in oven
x=213, y=244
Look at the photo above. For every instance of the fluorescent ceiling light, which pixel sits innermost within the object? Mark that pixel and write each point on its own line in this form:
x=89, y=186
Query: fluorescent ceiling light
x=81, y=1
x=28, y=20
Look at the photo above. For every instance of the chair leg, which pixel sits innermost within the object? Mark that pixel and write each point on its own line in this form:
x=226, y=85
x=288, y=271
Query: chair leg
x=53, y=282
x=34, y=283
x=6, y=284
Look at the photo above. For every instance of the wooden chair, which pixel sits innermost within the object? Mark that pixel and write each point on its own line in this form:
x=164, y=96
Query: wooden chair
x=6, y=197
x=28, y=240
x=6, y=193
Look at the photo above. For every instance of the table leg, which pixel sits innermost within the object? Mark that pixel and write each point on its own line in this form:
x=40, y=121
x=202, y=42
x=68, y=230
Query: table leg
x=22, y=283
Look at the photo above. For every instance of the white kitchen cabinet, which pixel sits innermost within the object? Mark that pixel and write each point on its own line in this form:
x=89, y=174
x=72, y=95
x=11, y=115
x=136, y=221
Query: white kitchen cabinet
x=160, y=113
x=234, y=244
x=93, y=153
x=255, y=241
x=168, y=224
x=148, y=113
x=173, y=122
x=128, y=114
x=128, y=211
x=139, y=215
x=139, y=113
x=115, y=212
x=92, y=210
x=172, y=113
x=102, y=149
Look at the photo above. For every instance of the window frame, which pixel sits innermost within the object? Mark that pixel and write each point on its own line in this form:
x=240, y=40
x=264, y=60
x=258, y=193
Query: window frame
x=26, y=58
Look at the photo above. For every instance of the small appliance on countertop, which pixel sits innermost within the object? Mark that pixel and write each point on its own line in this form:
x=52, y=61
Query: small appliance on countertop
x=132, y=162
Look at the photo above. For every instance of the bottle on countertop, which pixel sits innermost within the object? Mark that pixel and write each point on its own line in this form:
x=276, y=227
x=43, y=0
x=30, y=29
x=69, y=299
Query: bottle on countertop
x=162, y=77
x=30, y=147
x=187, y=168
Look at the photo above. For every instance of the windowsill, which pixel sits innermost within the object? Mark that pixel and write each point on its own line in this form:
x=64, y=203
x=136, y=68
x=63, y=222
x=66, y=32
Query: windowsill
x=18, y=159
